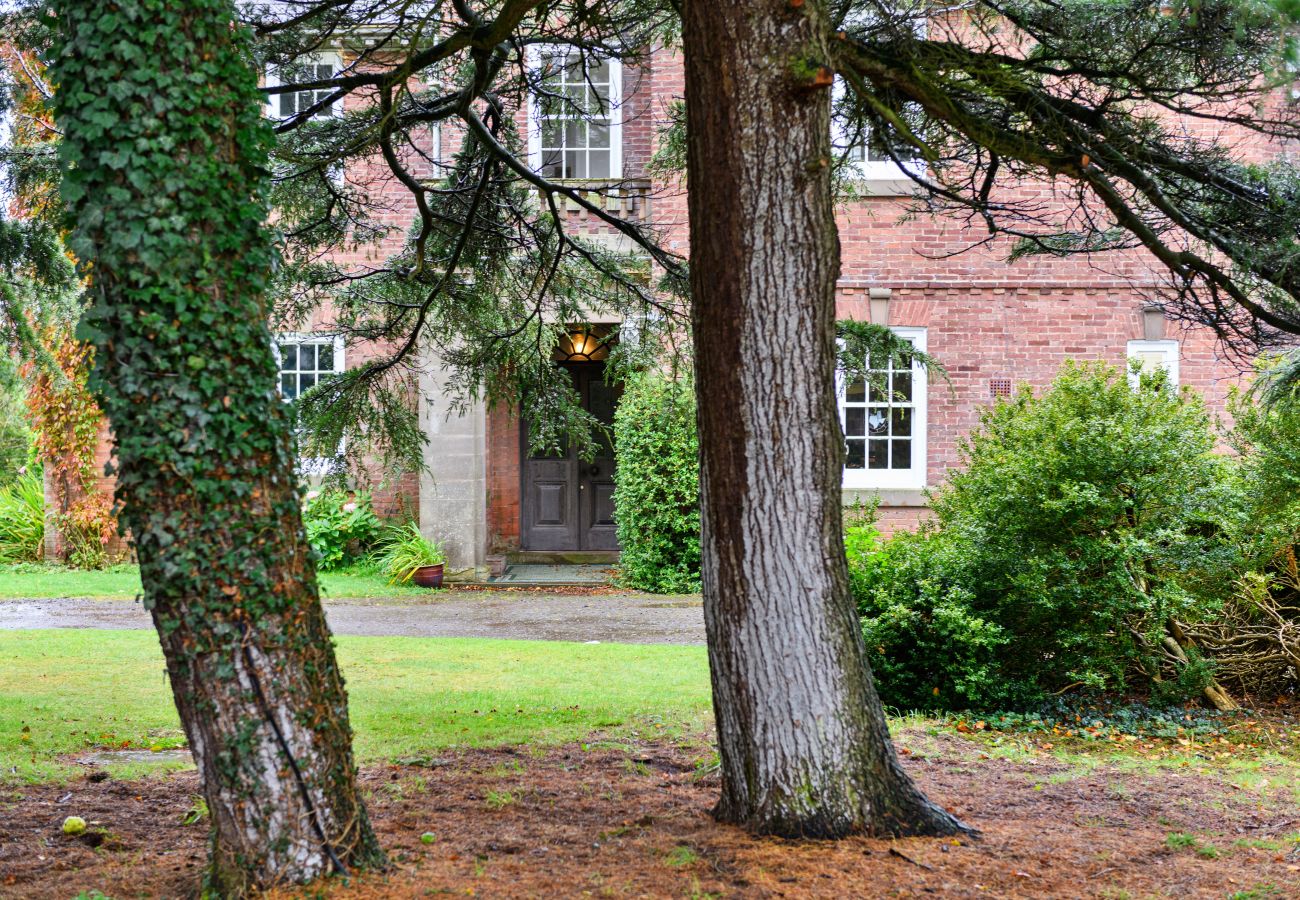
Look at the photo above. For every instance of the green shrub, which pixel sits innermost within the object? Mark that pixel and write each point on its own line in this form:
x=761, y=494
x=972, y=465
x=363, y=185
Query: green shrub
x=1082, y=522
x=1253, y=642
x=1267, y=440
x=22, y=519
x=15, y=434
x=403, y=549
x=927, y=645
x=341, y=526
x=657, y=498
x=862, y=546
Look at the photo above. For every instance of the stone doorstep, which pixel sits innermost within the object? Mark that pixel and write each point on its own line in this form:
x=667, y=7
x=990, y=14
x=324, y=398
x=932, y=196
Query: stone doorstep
x=537, y=570
x=550, y=574
x=562, y=558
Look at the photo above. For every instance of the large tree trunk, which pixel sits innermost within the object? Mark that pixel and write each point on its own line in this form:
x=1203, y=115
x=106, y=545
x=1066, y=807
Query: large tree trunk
x=167, y=154
x=804, y=744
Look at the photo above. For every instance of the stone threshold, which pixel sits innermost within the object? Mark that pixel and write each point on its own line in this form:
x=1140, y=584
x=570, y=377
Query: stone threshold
x=562, y=558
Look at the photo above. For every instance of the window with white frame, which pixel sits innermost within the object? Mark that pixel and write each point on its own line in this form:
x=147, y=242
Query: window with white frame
x=315, y=68
x=866, y=151
x=305, y=360
x=1152, y=356
x=576, y=127
x=884, y=422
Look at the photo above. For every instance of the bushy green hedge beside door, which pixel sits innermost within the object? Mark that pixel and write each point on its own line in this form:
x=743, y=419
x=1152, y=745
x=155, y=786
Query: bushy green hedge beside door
x=657, y=496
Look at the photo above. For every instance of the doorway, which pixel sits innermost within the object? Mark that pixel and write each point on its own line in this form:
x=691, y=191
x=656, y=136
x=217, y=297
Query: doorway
x=568, y=502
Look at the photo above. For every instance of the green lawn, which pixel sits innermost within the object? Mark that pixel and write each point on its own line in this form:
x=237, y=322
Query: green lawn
x=42, y=582
x=70, y=691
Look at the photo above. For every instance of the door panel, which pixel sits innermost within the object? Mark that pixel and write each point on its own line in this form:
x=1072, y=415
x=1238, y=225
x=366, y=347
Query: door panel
x=568, y=503
x=551, y=498
x=550, y=504
x=598, y=529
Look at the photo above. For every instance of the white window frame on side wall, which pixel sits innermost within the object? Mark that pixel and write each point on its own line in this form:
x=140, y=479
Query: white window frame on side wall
x=312, y=465
x=913, y=478
x=879, y=177
x=326, y=57
x=535, y=118
x=1168, y=351
x=884, y=177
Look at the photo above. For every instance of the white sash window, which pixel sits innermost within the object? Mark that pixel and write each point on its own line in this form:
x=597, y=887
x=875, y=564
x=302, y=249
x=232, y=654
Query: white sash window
x=884, y=422
x=575, y=128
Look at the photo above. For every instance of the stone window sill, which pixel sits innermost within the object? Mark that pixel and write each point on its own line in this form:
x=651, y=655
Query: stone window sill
x=886, y=497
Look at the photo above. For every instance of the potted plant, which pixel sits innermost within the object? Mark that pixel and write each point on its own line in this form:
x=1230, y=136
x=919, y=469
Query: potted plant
x=407, y=555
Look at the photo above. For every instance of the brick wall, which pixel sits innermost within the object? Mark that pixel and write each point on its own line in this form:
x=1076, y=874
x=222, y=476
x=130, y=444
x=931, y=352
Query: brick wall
x=55, y=546
x=986, y=318
x=503, y=485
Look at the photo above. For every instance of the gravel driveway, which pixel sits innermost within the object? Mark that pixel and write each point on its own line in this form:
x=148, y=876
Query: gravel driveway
x=615, y=618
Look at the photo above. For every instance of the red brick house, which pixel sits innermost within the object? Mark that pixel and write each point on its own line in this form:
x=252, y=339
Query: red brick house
x=993, y=324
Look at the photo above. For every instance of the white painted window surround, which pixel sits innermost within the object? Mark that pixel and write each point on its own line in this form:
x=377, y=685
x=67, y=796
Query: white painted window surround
x=884, y=425
x=1152, y=355
x=871, y=165
x=325, y=64
x=562, y=142
x=302, y=360
x=875, y=169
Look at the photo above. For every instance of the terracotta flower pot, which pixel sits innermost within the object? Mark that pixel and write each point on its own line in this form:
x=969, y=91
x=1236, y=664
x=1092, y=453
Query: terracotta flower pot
x=428, y=576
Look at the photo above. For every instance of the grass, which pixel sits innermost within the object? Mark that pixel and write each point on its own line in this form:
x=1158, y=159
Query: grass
x=41, y=582
x=1179, y=840
x=78, y=690
x=500, y=799
x=681, y=856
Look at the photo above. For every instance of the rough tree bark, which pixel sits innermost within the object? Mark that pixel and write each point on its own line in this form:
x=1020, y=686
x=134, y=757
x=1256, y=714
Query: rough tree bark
x=804, y=744
x=165, y=154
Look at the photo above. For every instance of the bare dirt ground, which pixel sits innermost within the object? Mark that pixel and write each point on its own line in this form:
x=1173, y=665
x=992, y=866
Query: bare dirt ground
x=633, y=821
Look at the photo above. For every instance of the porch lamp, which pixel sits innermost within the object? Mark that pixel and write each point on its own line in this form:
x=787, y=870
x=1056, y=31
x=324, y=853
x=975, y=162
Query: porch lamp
x=1153, y=322
x=585, y=347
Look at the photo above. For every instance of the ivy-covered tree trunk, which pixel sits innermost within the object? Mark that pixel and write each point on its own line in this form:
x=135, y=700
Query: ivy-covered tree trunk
x=165, y=171
x=804, y=744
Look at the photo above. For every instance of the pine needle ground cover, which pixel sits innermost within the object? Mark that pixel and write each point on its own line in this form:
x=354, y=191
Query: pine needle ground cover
x=630, y=817
x=69, y=694
x=504, y=768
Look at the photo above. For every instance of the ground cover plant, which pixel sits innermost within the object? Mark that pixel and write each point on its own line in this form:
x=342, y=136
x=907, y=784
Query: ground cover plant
x=1241, y=737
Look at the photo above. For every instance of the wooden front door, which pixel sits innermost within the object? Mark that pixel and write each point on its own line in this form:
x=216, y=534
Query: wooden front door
x=568, y=502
